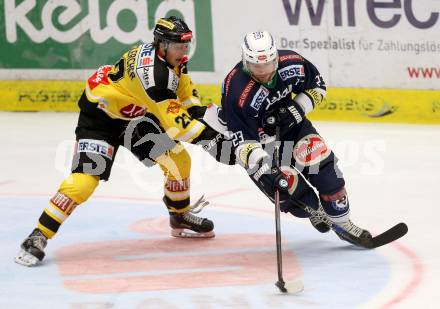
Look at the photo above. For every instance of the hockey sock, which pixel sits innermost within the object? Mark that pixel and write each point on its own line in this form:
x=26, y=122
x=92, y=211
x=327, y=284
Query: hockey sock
x=74, y=190
x=176, y=167
x=336, y=205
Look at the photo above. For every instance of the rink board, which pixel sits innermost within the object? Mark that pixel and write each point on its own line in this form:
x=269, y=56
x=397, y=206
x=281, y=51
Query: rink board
x=341, y=104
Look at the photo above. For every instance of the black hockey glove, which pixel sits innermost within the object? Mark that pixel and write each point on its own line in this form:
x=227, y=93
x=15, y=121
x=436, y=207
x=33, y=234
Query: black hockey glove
x=290, y=114
x=270, y=178
x=216, y=145
x=197, y=112
x=286, y=116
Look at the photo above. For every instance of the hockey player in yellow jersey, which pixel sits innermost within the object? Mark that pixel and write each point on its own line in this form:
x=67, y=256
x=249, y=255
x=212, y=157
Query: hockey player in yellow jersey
x=146, y=103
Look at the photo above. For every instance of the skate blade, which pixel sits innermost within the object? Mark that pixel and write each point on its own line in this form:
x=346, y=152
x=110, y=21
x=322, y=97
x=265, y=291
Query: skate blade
x=26, y=259
x=185, y=233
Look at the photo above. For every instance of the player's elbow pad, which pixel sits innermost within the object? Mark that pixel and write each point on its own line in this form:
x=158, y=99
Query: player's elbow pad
x=250, y=155
x=309, y=99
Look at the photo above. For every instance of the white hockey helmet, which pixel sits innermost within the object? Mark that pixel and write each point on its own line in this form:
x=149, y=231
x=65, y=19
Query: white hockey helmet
x=259, y=52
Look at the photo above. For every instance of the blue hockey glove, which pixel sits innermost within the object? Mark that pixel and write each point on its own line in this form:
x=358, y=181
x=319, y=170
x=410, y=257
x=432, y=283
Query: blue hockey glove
x=270, y=178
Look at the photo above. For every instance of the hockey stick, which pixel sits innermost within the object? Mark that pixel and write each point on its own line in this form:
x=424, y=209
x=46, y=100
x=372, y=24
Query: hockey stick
x=390, y=235
x=280, y=284
x=290, y=287
x=397, y=231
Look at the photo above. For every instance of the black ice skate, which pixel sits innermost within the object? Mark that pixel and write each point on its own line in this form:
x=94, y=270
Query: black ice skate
x=355, y=235
x=32, y=249
x=188, y=225
x=317, y=221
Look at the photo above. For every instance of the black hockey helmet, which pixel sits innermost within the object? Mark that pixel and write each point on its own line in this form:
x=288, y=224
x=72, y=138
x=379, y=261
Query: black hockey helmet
x=172, y=29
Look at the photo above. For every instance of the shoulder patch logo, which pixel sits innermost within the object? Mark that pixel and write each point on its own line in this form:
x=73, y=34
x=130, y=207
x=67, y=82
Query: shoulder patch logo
x=99, y=77
x=294, y=70
x=146, y=56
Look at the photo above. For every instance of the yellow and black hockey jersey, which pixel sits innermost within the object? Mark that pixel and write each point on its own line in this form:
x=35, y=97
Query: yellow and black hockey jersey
x=142, y=82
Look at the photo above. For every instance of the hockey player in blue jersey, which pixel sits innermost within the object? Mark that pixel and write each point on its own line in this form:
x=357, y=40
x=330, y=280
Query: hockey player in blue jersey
x=269, y=82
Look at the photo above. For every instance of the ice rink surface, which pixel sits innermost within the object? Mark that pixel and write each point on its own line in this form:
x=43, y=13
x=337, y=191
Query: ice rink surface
x=115, y=250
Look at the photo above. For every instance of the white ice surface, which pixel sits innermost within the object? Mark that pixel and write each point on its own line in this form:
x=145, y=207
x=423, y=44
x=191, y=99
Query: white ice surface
x=392, y=175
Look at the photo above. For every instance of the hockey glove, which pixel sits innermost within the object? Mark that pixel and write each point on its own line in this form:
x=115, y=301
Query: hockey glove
x=270, y=178
x=196, y=112
x=217, y=145
x=290, y=114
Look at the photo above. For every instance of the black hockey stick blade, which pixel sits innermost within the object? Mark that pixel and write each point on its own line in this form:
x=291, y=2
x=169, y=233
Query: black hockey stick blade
x=386, y=237
x=281, y=286
x=390, y=235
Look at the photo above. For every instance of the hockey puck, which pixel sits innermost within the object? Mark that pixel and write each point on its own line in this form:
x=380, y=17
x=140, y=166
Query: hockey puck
x=294, y=287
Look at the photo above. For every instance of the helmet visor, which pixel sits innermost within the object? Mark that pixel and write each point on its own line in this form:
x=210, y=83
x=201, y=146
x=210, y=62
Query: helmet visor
x=179, y=47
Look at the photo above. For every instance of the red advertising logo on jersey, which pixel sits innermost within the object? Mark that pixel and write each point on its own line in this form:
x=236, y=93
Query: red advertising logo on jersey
x=99, y=77
x=310, y=150
x=146, y=61
x=291, y=57
x=177, y=185
x=245, y=93
x=133, y=111
x=228, y=80
x=64, y=203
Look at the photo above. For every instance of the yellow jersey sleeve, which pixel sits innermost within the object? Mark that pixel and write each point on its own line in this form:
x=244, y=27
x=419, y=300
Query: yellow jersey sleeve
x=176, y=122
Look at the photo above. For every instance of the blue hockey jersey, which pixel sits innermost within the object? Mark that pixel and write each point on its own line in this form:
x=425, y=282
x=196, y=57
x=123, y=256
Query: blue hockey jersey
x=246, y=103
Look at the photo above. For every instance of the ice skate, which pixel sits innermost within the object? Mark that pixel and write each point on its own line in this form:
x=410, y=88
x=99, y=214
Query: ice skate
x=317, y=222
x=188, y=225
x=32, y=249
